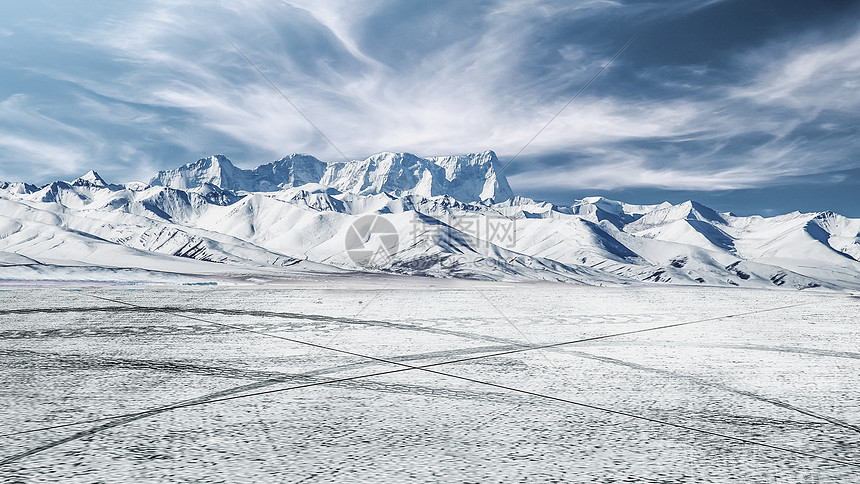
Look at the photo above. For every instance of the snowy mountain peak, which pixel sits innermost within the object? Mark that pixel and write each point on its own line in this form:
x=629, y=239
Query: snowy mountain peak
x=216, y=170
x=290, y=171
x=689, y=211
x=468, y=171
x=90, y=179
x=468, y=178
x=697, y=211
x=18, y=188
x=386, y=172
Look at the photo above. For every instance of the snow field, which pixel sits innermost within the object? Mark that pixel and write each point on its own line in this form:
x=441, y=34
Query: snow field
x=784, y=377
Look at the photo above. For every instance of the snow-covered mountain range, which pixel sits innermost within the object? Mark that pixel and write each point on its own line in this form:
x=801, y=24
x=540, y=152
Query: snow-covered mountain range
x=453, y=216
x=468, y=178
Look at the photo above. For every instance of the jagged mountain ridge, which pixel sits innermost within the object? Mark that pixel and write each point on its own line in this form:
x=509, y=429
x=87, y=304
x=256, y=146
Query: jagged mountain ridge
x=468, y=178
x=452, y=216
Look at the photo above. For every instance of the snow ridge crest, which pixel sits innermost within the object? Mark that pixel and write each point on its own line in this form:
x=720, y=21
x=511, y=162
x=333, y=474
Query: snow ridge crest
x=469, y=178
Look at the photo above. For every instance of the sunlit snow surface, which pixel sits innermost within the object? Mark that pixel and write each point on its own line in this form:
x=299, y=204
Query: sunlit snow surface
x=786, y=377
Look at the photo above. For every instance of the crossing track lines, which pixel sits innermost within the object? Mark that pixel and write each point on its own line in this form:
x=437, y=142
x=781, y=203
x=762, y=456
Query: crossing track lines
x=115, y=331
x=506, y=345
x=429, y=368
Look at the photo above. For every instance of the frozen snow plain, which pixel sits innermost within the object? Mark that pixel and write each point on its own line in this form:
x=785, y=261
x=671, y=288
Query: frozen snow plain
x=785, y=377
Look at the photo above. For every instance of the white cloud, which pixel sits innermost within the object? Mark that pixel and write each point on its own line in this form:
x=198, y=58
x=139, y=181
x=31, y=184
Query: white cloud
x=618, y=170
x=792, y=84
x=806, y=75
x=39, y=142
x=41, y=157
x=462, y=97
x=471, y=92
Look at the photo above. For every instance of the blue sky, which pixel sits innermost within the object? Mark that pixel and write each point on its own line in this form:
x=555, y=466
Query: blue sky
x=750, y=106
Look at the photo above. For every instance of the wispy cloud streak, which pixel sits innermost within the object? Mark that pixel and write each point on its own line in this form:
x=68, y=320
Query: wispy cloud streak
x=447, y=77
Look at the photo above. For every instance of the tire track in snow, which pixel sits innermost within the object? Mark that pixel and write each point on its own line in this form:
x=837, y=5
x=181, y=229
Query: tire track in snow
x=95, y=363
x=783, y=349
x=86, y=362
x=404, y=358
x=251, y=387
x=197, y=328
x=720, y=386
